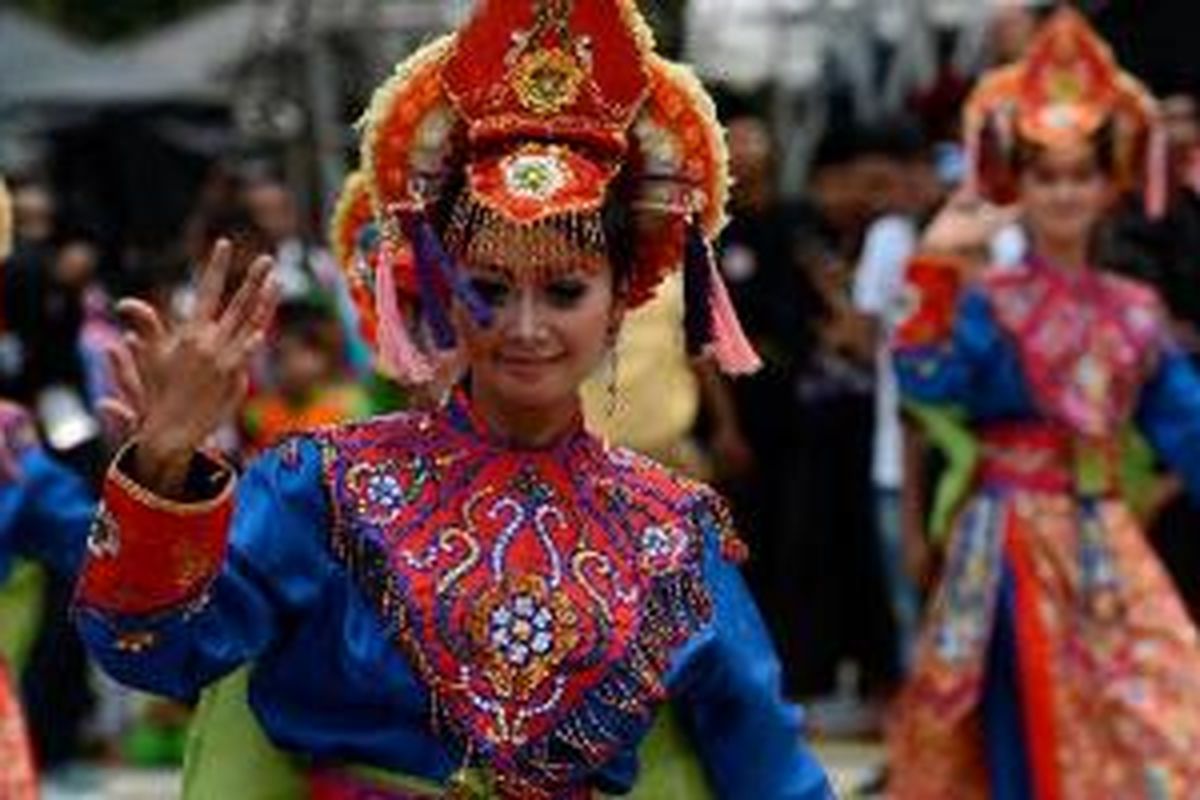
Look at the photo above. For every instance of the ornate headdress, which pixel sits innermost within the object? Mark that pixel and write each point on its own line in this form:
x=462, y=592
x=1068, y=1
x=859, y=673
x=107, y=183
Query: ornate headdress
x=1067, y=89
x=505, y=144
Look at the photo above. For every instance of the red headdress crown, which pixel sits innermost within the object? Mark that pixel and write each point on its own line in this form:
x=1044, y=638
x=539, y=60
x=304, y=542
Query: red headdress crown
x=1066, y=89
x=527, y=122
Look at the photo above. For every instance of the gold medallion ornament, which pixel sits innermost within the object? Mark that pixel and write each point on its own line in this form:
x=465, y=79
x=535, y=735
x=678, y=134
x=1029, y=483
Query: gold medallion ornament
x=547, y=81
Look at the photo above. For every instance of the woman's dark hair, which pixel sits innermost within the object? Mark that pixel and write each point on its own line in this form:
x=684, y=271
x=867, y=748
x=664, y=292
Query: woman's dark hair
x=617, y=219
x=1026, y=153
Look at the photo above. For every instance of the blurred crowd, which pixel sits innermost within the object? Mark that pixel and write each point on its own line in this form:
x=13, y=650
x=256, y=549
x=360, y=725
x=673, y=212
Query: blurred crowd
x=831, y=485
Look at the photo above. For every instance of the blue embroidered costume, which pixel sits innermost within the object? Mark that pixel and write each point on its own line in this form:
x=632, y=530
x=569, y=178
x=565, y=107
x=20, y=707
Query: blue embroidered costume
x=416, y=596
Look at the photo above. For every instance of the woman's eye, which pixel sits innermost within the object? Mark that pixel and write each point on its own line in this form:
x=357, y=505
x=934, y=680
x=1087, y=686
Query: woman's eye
x=494, y=293
x=565, y=293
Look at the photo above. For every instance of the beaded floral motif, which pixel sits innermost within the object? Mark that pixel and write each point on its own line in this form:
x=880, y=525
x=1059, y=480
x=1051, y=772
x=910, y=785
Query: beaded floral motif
x=540, y=594
x=539, y=176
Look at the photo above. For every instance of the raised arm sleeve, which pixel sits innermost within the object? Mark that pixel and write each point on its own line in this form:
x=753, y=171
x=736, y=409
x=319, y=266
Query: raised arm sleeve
x=174, y=596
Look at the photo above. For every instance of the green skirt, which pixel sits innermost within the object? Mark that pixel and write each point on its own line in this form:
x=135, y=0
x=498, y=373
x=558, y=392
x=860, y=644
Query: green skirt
x=228, y=755
x=20, y=613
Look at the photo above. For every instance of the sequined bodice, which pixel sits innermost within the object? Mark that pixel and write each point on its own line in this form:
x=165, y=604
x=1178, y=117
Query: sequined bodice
x=539, y=593
x=1087, y=342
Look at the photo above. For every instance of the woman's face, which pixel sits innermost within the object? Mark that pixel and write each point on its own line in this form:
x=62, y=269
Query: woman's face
x=1064, y=193
x=547, y=337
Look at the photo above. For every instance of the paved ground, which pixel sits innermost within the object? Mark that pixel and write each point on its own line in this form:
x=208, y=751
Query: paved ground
x=849, y=764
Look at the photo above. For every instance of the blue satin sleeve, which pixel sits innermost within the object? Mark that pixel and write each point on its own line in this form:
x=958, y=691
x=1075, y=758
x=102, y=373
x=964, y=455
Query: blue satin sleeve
x=975, y=368
x=1169, y=415
x=726, y=688
x=45, y=513
x=275, y=570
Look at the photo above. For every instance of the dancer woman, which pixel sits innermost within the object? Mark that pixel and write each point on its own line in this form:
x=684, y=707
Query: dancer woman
x=1056, y=661
x=484, y=597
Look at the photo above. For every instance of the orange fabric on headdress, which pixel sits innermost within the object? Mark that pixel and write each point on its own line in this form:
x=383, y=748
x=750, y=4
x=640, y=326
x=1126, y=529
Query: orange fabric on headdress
x=1068, y=86
x=351, y=217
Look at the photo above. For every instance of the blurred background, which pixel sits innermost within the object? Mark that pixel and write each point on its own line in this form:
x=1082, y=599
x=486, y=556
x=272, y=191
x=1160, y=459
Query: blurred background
x=134, y=132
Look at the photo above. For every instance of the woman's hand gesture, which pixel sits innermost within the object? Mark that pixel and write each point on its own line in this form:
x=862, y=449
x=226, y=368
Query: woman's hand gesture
x=965, y=226
x=179, y=384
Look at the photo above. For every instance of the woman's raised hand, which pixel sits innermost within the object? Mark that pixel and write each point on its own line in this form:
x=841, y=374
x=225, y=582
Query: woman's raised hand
x=965, y=226
x=179, y=383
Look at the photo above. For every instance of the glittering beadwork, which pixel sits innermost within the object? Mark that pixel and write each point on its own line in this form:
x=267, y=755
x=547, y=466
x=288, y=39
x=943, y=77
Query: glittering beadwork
x=540, y=594
x=104, y=537
x=547, y=81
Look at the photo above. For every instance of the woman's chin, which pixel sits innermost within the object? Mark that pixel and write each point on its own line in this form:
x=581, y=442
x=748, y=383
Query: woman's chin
x=531, y=389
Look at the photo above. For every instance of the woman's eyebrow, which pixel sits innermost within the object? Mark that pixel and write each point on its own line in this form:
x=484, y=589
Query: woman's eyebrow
x=494, y=272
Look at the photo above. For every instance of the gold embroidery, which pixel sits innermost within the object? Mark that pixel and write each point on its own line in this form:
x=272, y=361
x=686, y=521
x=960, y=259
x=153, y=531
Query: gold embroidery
x=547, y=81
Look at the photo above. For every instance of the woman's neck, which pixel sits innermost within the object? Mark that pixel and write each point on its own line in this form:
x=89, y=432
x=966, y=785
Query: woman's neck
x=1066, y=255
x=524, y=426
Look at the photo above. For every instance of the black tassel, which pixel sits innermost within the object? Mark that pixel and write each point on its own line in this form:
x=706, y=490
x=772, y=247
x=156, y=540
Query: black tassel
x=697, y=290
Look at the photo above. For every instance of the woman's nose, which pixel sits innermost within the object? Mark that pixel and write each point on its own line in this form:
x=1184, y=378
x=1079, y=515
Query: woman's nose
x=528, y=315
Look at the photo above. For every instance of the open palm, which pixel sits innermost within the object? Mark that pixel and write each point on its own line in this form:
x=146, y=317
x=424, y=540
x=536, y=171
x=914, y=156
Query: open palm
x=178, y=383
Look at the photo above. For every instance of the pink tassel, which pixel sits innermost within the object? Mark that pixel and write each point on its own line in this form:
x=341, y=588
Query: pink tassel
x=1157, y=168
x=730, y=347
x=399, y=357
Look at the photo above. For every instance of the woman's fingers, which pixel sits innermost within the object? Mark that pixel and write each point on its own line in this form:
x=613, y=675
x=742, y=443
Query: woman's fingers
x=250, y=345
x=253, y=332
x=125, y=373
x=122, y=421
x=241, y=309
x=264, y=310
x=212, y=281
x=143, y=319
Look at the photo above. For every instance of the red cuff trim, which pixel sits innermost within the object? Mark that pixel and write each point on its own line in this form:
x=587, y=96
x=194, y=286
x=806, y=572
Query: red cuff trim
x=931, y=287
x=147, y=554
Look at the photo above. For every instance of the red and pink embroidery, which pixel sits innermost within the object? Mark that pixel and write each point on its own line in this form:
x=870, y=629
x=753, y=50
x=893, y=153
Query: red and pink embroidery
x=540, y=594
x=1087, y=341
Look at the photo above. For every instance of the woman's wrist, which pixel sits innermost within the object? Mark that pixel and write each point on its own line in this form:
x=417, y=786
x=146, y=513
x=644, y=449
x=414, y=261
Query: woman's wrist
x=161, y=463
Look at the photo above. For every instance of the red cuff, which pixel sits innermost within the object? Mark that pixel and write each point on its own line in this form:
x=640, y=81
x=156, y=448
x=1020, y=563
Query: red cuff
x=147, y=554
x=931, y=286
